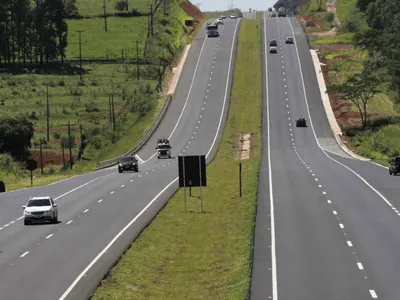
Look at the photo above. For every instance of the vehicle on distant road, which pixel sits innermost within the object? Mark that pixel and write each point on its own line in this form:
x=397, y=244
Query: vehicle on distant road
x=273, y=43
x=233, y=17
x=223, y=16
x=163, y=148
x=212, y=29
x=273, y=50
x=394, y=166
x=273, y=14
x=282, y=12
x=220, y=21
x=270, y=9
x=301, y=122
x=289, y=40
x=40, y=209
x=128, y=163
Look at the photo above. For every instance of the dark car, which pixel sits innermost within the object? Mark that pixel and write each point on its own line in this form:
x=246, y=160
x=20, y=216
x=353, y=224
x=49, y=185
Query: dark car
x=273, y=15
x=394, y=166
x=273, y=50
x=289, y=40
x=213, y=33
x=129, y=163
x=301, y=122
x=273, y=43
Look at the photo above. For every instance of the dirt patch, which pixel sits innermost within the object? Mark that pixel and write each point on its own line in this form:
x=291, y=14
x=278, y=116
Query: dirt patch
x=192, y=10
x=334, y=47
x=50, y=158
x=244, y=149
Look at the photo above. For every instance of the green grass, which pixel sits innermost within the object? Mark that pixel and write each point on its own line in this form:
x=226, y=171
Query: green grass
x=345, y=38
x=121, y=34
x=344, y=8
x=69, y=101
x=204, y=255
x=95, y=7
x=379, y=145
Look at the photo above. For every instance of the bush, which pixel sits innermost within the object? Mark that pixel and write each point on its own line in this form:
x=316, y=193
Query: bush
x=329, y=17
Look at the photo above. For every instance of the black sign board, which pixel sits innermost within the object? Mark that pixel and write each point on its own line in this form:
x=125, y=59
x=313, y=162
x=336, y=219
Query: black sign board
x=192, y=171
x=2, y=187
x=31, y=165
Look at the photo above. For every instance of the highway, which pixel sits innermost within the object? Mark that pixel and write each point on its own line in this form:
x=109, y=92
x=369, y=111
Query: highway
x=102, y=212
x=327, y=224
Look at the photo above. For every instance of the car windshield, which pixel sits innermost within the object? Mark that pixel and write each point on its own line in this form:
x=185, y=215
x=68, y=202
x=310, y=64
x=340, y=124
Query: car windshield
x=39, y=202
x=127, y=159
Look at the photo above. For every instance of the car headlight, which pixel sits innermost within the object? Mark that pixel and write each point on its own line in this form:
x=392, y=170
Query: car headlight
x=48, y=212
x=120, y=165
x=27, y=212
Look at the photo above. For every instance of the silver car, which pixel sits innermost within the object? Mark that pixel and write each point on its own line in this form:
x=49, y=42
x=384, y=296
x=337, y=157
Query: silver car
x=40, y=209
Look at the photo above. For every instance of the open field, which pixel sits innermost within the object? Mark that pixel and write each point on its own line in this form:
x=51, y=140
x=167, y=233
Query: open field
x=341, y=60
x=121, y=35
x=204, y=254
x=95, y=7
x=86, y=103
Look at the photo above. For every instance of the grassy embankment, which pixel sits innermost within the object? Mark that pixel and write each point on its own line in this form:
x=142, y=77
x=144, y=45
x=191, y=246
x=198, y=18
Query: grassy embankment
x=342, y=60
x=204, y=255
x=86, y=103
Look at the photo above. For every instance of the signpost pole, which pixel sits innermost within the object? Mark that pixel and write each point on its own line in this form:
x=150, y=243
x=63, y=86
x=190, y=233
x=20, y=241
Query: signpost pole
x=184, y=182
x=240, y=179
x=201, y=183
x=31, y=178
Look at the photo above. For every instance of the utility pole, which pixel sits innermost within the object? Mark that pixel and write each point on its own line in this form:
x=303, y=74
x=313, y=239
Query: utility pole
x=113, y=111
x=105, y=15
x=109, y=108
x=80, y=51
x=165, y=6
x=48, y=113
x=41, y=156
x=70, y=145
x=151, y=20
x=137, y=60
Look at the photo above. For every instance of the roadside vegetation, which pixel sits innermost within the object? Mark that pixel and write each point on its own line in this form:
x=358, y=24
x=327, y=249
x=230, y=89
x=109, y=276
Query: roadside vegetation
x=357, y=44
x=108, y=107
x=204, y=255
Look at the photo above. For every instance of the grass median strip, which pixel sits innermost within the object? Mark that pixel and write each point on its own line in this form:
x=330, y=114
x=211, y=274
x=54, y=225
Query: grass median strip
x=197, y=255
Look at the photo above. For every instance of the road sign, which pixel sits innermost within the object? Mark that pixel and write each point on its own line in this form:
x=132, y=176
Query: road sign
x=31, y=165
x=192, y=171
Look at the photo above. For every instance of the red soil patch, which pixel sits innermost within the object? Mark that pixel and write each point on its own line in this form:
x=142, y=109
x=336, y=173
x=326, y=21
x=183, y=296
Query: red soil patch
x=50, y=158
x=192, y=10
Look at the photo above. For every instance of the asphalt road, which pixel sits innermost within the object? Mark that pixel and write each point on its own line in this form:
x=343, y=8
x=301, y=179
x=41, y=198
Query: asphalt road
x=326, y=225
x=102, y=212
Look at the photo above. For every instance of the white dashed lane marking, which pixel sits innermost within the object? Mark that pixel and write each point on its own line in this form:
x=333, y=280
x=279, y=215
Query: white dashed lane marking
x=86, y=210
x=69, y=222
x=24, y=254
x=49, y=236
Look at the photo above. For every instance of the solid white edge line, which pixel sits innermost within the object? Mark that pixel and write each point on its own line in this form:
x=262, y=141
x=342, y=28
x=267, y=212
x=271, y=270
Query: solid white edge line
x=82, y=274
x=315, y=136
x=187, y=98
x=271, y=194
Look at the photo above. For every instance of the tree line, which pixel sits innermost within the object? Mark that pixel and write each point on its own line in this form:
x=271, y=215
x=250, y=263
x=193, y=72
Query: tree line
x=32, y=33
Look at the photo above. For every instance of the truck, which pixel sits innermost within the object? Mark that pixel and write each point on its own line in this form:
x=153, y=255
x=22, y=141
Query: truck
x=163, y=148
x=282, y=12
x=212, y=29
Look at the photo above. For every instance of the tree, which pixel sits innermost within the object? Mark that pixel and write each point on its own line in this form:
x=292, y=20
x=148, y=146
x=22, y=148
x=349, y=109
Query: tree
x=360, y=89
x=15, y=136
x=121, y=5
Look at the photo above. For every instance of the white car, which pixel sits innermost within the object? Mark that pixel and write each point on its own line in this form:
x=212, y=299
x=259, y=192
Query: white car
x=233, y=17
x=40, y=209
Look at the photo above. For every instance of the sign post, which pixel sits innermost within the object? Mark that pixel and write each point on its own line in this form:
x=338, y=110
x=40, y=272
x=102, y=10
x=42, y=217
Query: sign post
x=192, y=173
x=31, y=165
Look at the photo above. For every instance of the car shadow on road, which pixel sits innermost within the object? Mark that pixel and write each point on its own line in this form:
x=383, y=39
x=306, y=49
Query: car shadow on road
x=43, y=223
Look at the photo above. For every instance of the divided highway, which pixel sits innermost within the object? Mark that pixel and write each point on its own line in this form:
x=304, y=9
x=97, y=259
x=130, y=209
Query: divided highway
x=327, y=225
x=102, y=212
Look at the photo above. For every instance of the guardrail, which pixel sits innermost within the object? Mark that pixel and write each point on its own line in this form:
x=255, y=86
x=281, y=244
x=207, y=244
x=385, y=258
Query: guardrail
x=142, y=142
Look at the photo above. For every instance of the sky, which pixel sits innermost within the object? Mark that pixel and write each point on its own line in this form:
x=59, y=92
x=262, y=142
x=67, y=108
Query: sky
x=244, y=5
